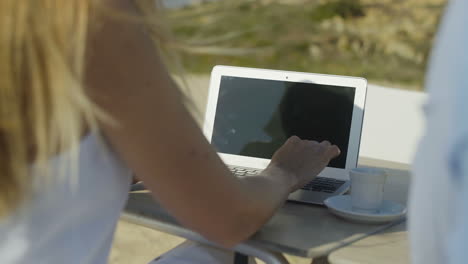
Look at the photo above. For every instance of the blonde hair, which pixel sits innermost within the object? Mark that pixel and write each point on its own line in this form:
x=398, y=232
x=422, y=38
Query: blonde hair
x=43, y=106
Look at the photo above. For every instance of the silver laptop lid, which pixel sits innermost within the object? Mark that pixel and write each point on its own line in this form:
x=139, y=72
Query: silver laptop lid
x=253, y=117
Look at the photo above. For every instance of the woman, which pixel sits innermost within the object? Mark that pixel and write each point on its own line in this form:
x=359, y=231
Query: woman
x=78, y=73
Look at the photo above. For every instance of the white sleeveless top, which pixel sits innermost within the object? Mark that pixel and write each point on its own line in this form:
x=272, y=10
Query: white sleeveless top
x=70, y=223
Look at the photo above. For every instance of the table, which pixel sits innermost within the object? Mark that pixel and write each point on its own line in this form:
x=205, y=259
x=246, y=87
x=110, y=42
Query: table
x=389, y=246
x=296, y=229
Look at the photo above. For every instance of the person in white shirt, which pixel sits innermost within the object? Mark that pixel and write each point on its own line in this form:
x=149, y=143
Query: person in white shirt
x=84, y=98
x=438, y=215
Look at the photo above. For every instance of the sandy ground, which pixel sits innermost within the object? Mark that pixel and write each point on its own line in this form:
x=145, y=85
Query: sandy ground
x=135, y=244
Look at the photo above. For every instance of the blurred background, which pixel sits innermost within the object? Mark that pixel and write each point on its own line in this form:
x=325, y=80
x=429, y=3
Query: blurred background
x=386, y=41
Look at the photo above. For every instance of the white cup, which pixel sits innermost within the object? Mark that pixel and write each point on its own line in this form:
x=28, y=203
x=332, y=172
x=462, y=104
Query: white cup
x=367, y=189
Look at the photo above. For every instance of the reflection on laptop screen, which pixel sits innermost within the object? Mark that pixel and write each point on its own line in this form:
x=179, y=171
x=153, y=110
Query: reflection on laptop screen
x=254, y=117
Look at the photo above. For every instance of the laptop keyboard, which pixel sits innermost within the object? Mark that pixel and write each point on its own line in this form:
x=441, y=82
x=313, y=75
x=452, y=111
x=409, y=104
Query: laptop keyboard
x=244, y=171
x=319, y=184
x=323, y=184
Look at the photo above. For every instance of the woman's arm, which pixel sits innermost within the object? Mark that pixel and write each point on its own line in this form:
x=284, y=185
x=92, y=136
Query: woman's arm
x=159, y=140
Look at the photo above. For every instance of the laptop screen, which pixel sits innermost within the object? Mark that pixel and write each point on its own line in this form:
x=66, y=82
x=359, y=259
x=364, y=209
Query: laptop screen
x=254, y=117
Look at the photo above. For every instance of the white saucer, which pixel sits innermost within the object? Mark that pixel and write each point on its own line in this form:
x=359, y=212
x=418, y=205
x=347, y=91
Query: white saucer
x=341, y=206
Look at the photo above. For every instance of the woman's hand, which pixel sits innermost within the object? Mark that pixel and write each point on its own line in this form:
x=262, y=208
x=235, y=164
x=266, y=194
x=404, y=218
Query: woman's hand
x=300, y=161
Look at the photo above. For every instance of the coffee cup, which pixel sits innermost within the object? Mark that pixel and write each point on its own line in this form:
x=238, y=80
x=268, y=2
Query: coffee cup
x=367, y=189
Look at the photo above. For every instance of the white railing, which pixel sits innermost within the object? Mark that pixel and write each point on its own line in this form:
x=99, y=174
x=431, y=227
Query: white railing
x=393, y=124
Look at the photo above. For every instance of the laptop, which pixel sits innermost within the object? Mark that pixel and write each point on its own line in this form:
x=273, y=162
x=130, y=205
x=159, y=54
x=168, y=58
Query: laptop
x=251, y=113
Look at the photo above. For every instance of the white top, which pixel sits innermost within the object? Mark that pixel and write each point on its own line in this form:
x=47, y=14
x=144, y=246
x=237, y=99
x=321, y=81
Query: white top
x=70, y=223
x=438, y=221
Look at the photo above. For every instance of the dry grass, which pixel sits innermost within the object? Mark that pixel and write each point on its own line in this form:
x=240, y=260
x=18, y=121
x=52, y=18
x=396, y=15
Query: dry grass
x=386, y=41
